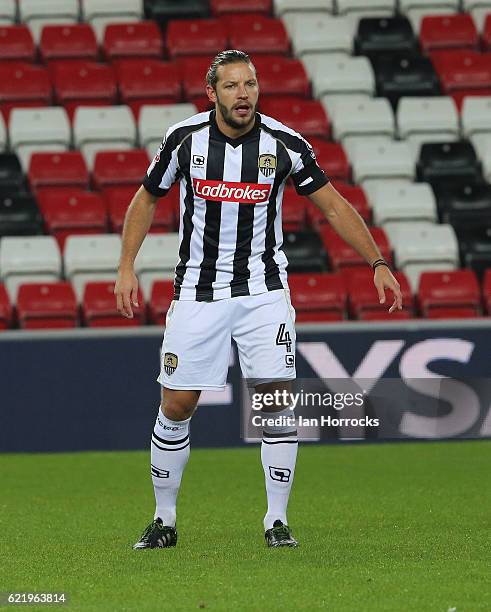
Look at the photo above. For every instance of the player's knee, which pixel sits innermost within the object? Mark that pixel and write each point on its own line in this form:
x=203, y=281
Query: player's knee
x=179, y=405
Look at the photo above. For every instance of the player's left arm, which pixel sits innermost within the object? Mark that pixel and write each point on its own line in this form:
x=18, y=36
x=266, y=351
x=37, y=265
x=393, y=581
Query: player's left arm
x=350, y=226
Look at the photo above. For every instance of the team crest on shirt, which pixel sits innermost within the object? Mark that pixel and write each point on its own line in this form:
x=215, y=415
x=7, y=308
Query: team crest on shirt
x=170, y=363
x=267, y=163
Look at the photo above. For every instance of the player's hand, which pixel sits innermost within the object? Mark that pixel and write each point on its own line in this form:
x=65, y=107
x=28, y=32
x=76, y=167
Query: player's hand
x=384, y=279
x=126, y=292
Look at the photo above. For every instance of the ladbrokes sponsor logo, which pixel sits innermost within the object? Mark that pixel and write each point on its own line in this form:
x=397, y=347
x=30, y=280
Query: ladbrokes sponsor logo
x=244, y=193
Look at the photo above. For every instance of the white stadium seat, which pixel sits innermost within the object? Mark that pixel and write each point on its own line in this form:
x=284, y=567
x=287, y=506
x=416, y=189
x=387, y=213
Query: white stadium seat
x=103, y=128
x=382, y=160
x=8, y=10
x=29, y=255
x=426, y=115
x=319, y=32
x=285, y=6
x=449, y=5
x=482, y=144
x=330, y=101
x=366, y=8
x=401, y=201
x=98, y=253
x=338, y=73
x=468, y=5
x=351, y=142
x=354, y=118
x=476, y=115
x=155, y=120
x=109, y=8
x=158, y=253
x=34, y=9
x=416, y=15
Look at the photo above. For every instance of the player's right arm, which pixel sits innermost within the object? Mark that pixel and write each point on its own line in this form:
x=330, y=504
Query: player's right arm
x=137, y=222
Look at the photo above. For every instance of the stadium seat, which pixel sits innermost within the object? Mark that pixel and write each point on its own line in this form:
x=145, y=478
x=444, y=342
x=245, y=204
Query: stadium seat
x=486, y=290
x=407, y=5
x=356, y=197
x=342, y=255
x=475, y=115
x=148, y=81
x=466, y=206
x=99, y=307
x=19, y=216
x=316, y=31
x=72, y=210
x=192, y=71
x=162, y=11
x=305, y=116
x=280, y=75
x=401, y=201
x=16, y=43
x=8, y=10
x=453, y=289
x=21, y=255
x=384, y=35
x=23, y=83
x=11, y=176
x=448, y=161
x=5, y=309
x=93, y=9
x=338, y=73
x=371, y=117
x=61, y=169
x=318, y=297
x=424, y=118
x=113, y=168
x=360, y=8
x=463, y=69
x=388, y=160
x=158, y=253
x=293, y=210
x=69, y=41
x=409, y=75
x=84, y=81
x=104, y=128
x=256, y=33
x=482, y=144
x=486, y=31
x=331, y=157
x=363, y=300
x=476, y=253
x=132, y=40
x=196, y=37
x=90, y=254
x=155, y=120
x=117, y=201
x=448, y=32
x=225, y=7
x=159, y=300
x=46, y=305
x=33, y=9
x=286, y=7
x=304, y=251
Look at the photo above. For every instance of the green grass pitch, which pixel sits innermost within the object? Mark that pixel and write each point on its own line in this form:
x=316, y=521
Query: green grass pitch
x=390, y=527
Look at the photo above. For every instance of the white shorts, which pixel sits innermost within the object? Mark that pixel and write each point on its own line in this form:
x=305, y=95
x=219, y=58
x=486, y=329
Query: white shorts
x=198, y=335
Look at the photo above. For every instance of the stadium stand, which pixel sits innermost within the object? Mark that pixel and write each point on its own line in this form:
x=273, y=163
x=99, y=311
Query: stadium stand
x=395, y=98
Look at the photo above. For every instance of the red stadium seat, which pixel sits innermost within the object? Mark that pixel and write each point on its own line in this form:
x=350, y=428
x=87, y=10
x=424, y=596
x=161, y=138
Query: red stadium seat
x=318, y=297
x=60, y=169
x=452, y=313
x=294, y=208
x=69, y=41
x=332, y=158
x=160, y=300
x=342, y=255
x=223, y=7
x=148, y=80
x=356, y=197
x=5, y=309
x=118, y=199
x=99, y=307
x=195, y=37
x=462, y=69
x=452, y=289
x=72, y=210
x=486, y=290
x=305, y=116
x=192, y=71
x=279, y=76
x=24, y=84
x=256, y=33
x=448, y=32
x=139, y=39
x=486, y=33
x=363, y=298
x=16, y=43
x=113, y=168
x=81, y=81
x=47, y=305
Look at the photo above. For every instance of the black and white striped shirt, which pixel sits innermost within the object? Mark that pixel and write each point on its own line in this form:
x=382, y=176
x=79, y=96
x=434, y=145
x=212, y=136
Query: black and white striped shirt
x=230, y=232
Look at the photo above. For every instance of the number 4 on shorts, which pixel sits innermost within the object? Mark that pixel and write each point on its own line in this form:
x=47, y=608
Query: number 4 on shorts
x=283, y=337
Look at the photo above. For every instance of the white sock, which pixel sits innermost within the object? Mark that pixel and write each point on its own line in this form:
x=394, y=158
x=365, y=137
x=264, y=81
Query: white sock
x=169, y=455
x=278, y=455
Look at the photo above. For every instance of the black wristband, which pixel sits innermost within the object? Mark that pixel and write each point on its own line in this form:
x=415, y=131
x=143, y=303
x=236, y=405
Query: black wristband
x=379, y=262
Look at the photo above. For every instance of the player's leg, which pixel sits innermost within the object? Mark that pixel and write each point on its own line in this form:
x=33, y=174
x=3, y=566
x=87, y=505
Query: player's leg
x=265, y=336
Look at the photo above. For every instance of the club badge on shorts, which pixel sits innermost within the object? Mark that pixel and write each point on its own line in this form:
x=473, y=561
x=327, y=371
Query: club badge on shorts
x=267, y=163
x=170, y=363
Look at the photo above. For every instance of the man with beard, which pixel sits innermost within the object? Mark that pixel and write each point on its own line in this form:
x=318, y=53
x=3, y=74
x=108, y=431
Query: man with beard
x=232, y=164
